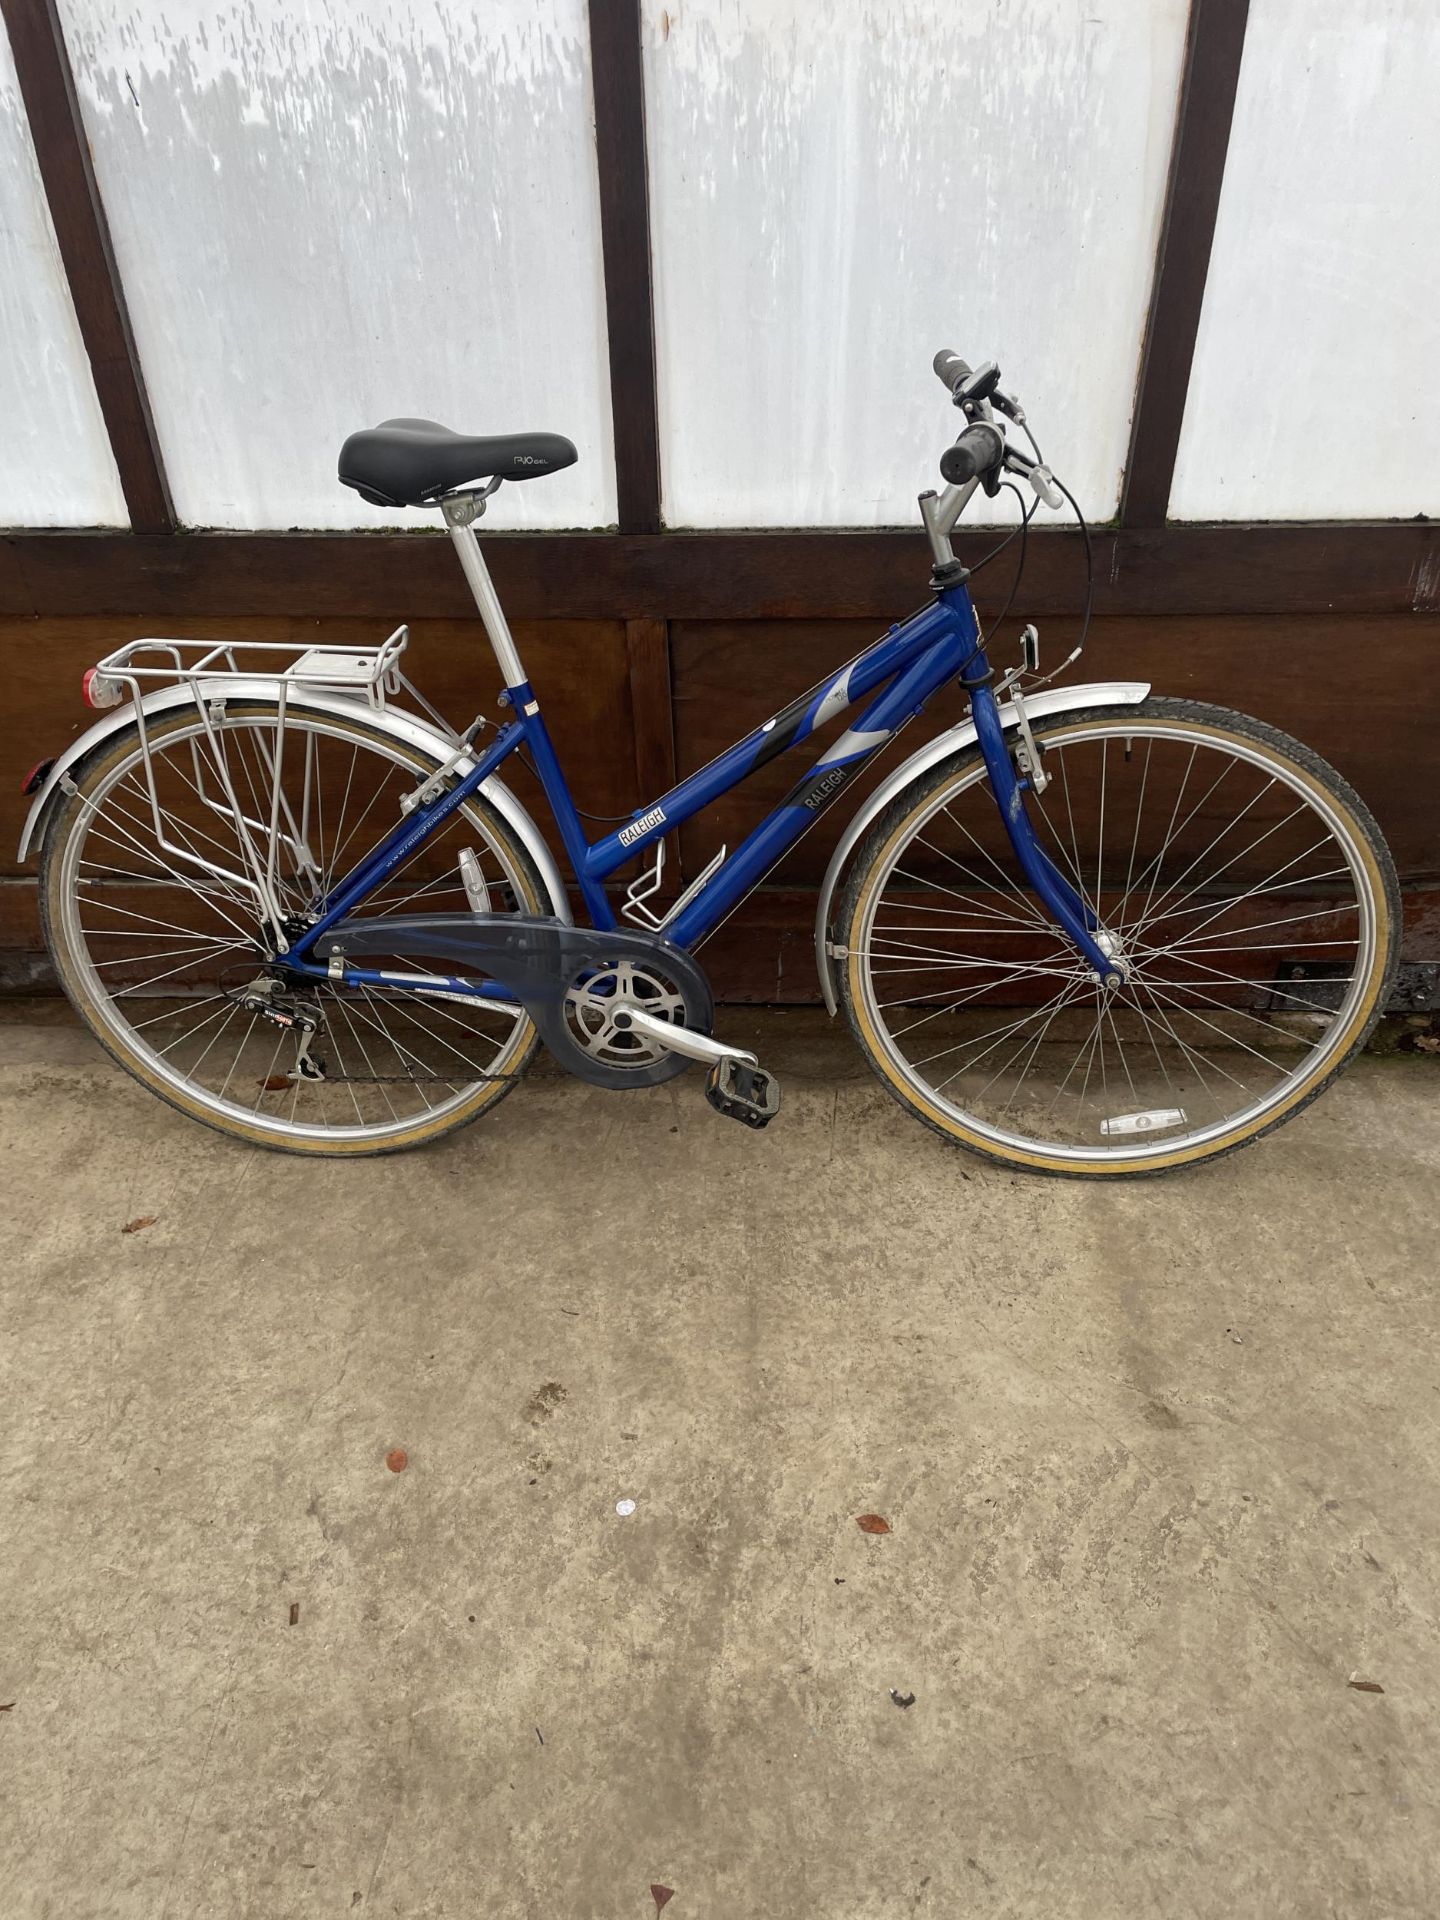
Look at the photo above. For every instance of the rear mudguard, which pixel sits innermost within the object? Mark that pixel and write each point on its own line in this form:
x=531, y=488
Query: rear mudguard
x=405, y=728
x=1101, y=693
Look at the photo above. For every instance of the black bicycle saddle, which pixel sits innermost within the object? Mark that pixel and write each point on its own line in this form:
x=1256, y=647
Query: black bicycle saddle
x=410, y=463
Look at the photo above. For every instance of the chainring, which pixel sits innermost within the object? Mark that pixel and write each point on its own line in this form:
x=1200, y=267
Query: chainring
x=627, y=1058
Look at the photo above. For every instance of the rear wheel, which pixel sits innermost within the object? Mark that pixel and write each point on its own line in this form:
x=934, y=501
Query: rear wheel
x=1249, y=895
x=163, y=952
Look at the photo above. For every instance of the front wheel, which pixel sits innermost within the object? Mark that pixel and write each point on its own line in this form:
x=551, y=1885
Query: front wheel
x=1251, y=900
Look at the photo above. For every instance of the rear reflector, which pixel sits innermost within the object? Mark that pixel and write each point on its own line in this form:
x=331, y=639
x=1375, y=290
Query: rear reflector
x=98, y=691
x=35, y=778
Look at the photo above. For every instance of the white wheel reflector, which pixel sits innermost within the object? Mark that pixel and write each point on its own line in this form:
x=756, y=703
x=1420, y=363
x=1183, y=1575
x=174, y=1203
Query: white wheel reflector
x=1149, y=1122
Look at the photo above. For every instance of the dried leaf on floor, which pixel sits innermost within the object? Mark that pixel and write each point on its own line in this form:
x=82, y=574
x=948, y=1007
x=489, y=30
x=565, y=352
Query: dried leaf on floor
x=543, y=1402
x=275, y=1083
x=5, y=1705
x=902, y=1699
x=397, y=1459
x=138, y=1225
x=660, y=1895
x=1365, y=1686
x=873, y=1523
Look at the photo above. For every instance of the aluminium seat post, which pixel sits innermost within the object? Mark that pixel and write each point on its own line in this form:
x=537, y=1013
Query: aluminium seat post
x=461, y=511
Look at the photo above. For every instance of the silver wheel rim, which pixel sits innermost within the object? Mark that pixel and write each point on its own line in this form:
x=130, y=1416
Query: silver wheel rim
x=449, y=1099
x=1314, y=1061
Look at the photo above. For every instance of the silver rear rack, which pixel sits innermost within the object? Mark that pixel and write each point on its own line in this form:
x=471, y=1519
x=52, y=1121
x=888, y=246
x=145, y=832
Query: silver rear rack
x=215, y=673
x=145, y=665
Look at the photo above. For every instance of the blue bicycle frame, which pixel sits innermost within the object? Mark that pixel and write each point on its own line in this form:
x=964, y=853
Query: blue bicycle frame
x=910, y=662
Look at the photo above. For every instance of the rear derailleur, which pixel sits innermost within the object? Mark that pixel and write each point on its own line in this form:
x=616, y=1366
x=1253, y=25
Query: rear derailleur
x=266, y=1000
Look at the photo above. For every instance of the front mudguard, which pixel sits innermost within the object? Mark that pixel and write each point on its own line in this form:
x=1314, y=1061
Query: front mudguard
x=1100, y=693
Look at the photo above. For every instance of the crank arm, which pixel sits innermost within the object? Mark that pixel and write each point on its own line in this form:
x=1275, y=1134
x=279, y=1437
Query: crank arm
x=695, y=1046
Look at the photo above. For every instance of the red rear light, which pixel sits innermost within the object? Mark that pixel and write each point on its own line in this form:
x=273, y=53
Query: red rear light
x=97, y=691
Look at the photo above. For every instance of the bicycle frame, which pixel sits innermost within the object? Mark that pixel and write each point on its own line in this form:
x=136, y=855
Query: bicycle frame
x=911, y=662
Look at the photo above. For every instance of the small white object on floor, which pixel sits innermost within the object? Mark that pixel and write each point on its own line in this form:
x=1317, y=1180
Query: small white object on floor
x=622, y=1507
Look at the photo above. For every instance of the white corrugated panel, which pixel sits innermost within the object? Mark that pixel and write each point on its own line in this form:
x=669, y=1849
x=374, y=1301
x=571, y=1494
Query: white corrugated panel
x=56, y=468
x=329, y=212
x=1315, y=393
x=839, y=190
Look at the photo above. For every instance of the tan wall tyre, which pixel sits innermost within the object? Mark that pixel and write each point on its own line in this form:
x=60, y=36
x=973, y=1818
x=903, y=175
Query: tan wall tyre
x=1242, y=883
x=153, y=949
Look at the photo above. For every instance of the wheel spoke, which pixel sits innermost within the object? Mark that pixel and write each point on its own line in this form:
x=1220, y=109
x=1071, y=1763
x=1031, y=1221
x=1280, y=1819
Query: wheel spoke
x=1163, y=1020
x=1028, y=922
x=1010, y=885
x=1153, y=837
x=994, y=1040
x=163, y=986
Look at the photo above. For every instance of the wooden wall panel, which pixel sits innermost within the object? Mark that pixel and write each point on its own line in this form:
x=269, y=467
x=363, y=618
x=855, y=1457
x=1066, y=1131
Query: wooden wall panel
x=1358, y=689
x=1319, y=678
x=1387, y=567
x=583, y=670
x=765, y=954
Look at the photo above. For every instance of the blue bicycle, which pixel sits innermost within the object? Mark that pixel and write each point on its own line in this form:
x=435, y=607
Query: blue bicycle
x=1086, y=932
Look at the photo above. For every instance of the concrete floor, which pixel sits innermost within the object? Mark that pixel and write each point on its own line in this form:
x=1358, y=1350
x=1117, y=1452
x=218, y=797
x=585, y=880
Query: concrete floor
x=1161, y=1462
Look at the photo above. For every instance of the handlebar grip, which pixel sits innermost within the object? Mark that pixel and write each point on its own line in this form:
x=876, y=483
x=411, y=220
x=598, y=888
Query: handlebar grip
x=977, y=450
x=951, y=369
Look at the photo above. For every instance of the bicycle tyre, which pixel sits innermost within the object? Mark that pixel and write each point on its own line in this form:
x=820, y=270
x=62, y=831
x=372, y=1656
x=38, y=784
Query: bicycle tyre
x=1301, y=773
x=78, y=966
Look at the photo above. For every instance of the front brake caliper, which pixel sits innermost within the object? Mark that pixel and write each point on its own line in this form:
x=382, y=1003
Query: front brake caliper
x=1027, y=754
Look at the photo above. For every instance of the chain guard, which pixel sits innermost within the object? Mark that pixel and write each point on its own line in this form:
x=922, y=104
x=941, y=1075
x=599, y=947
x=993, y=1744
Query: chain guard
x=538, y=959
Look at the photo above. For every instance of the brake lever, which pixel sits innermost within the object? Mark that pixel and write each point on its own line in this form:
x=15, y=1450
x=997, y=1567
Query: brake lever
x=1043, y=481
x=1037, y=473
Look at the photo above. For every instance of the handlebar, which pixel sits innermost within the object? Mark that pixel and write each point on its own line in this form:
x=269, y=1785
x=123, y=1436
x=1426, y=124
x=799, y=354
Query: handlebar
x=982, y=453
x=951, y=369
x=978, y=449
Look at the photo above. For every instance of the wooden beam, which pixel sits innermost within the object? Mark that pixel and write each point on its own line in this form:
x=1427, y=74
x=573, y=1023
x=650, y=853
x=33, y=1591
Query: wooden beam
x=1349, y=567
x=47, y=87
x=647, y=644
x=1209, y=78
x=619, y=84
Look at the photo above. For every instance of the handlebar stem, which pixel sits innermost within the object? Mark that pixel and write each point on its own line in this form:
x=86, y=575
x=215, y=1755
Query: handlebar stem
x=940, y=515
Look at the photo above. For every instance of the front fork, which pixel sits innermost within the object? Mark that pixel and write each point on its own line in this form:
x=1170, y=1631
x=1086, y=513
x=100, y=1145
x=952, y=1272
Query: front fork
x=1070, y=912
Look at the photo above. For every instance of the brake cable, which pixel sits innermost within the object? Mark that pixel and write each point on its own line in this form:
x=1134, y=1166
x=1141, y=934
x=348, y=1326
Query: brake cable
x=1027, y=514
x=1079, y=647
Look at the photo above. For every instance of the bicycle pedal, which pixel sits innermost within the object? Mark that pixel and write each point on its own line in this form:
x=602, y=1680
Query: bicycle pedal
x=747, y=1094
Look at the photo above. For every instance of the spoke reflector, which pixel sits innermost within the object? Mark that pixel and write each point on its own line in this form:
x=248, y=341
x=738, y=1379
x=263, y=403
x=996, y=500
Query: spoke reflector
x=1152, y=1121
